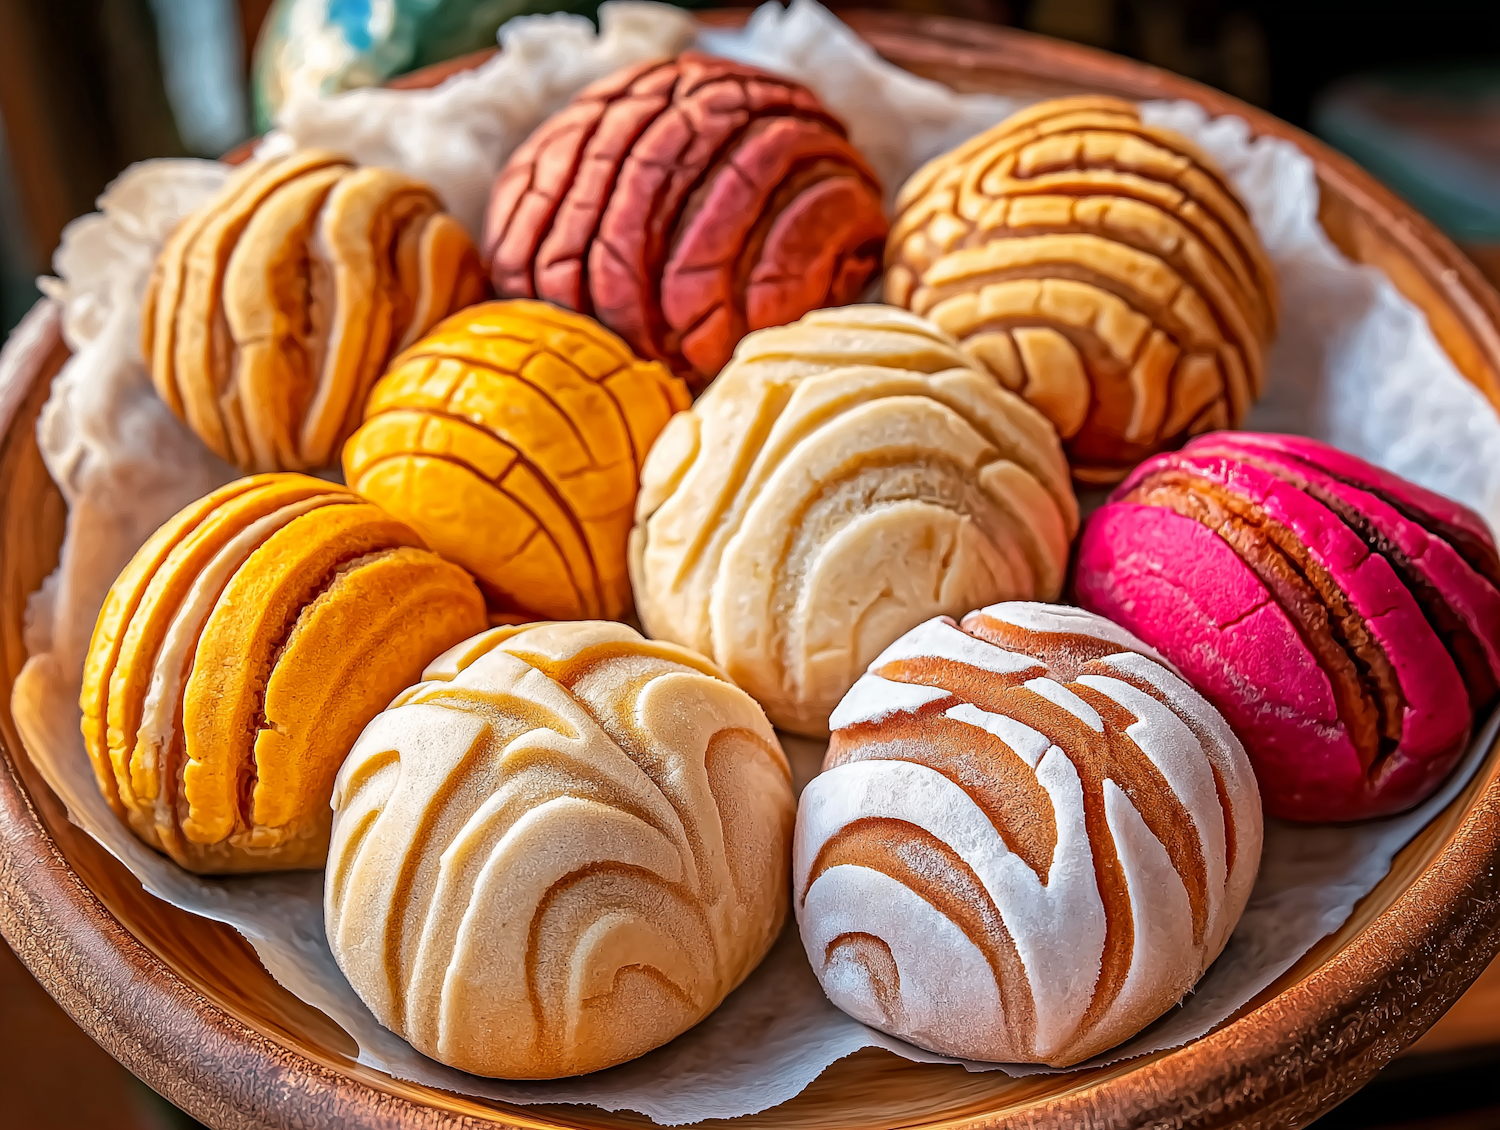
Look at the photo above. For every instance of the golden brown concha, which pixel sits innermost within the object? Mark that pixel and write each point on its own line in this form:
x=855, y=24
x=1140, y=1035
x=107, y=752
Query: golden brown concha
x=1101, y=267
x=273, y=307
x=561, y=850
x=239, y=655
x=511, y=438
x=845, y=478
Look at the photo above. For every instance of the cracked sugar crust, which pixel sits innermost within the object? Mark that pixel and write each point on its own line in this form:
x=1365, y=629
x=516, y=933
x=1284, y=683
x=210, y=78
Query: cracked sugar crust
x=847, y=504
x=511, y=438
x=1032, y=798
x=1101, y=268
x=272, y=309
x=685, y=203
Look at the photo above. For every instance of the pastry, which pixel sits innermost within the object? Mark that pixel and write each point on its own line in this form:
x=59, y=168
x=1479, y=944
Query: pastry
x=684, y=202
x=239, y=655
x=511, y=437
x=844, y=479
x=561, y=850
x=1346, y=622
x=1030, y=838
x=273, y=308
x=1101, y=267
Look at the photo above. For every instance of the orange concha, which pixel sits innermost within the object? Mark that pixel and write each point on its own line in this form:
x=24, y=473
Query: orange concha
x=240, y=654
x=512, y=438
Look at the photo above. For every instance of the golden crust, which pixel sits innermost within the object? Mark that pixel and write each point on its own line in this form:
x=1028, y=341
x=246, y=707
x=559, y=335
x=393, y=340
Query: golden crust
x=511, y=438
x=240, y=653
x=1100, y=267
x=273, y=308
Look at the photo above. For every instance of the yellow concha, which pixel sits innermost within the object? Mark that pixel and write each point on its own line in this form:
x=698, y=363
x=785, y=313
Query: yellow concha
x=511, y=438
x=844, y=479
x=273, y=307
x=1101, y=267
x=240, y=653
x=561, y=850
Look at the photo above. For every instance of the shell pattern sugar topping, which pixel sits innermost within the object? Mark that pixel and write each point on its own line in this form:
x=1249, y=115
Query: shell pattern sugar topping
x=1101, y=267
x=844, y=479
x=239, y=655
x=1030, y=838
x=273, y=308
x=1345, y=621
x=561, y=850
x=684, y=203
x=511, y=438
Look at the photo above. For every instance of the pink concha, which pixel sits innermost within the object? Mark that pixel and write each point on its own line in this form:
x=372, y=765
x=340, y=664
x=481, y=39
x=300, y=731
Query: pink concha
x=1211, y=616
x=1451, y=579
x=1428, y=677
x=1431, y=509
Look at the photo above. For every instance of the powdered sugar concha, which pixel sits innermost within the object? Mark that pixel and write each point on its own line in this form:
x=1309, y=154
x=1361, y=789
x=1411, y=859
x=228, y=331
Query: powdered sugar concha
x=1030, y=839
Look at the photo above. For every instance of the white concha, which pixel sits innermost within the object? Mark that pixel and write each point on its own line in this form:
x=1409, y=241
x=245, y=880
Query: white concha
x=1030, y=839
x=844, y=479
x=561, y=850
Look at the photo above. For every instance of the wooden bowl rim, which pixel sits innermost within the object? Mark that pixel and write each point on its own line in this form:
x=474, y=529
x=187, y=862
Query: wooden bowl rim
x=1281, y=1064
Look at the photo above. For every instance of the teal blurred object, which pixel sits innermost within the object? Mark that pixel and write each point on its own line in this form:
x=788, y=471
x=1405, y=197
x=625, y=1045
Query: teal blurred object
x=326, y=46
x=1432, y=134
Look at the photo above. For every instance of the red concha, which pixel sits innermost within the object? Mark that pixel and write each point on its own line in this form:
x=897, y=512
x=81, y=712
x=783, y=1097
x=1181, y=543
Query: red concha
x=685, y=203
x=1343, y=641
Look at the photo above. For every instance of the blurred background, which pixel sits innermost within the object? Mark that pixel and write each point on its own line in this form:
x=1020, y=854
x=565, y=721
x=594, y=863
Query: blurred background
x=1409, y=88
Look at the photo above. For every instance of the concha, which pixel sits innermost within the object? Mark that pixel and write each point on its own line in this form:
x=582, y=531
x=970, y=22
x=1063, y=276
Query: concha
x=241, y=652
x=685, y=202
x=1103, y=268
x=273, y=307
x=512, y=437
x=844, y=479
x=562, y=849
x=1030, y=838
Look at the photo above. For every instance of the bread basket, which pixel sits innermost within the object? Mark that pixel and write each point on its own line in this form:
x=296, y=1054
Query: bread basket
x=184, y=1004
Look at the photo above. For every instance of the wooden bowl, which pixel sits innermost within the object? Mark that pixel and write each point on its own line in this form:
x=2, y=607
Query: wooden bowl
x=183, y=1003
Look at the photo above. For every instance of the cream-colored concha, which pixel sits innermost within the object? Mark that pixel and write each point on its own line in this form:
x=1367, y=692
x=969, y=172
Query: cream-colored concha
x=562, y=849
x=845, y=478
x=1030, y=839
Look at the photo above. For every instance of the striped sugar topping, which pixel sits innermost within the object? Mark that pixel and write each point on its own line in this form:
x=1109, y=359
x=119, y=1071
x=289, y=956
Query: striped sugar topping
x=1031, y=838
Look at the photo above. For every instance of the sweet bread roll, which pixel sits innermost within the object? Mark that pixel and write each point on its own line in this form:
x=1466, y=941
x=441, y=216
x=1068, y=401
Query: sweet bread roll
x=241, y=652
x=561, y=850
x=1345, y=621
x=844, y=479
x=684, y=202
x=511, y=437
x=1030, y=838
x=1102, y=268
x=273, y=307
